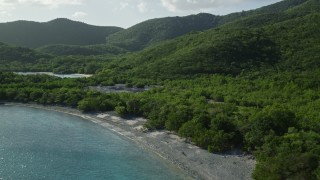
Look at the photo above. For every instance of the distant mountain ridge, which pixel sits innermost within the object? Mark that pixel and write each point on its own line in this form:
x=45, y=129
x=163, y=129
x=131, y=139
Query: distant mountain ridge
x=156, y=30
x=269, y=9
x=257, y=40
x=58, y=31
x=67, y=32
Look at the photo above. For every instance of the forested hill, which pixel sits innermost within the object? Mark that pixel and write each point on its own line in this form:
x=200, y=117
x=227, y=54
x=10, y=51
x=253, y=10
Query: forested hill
x=97, y=49
x=15, y=54
x=155, y=30
x=59, y=31
x=64, y=31
x=152, y=31
x=287, y=38
x=266, y=10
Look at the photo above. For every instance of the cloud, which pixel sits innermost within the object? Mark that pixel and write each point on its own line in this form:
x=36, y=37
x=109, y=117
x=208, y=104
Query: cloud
x=142, y=6
x=6, y=6
x=79, y=14
x=50, y=3
x=190, y=5
x=123, y=5
x=4, y=13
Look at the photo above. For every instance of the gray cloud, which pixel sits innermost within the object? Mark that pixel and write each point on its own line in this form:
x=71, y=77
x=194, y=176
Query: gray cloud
x=142, y=6
x=79, y=14
x=51, y=3
x=6, y=6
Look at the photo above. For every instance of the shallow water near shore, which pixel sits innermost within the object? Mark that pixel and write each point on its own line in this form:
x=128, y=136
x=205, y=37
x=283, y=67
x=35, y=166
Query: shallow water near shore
x=41, y=144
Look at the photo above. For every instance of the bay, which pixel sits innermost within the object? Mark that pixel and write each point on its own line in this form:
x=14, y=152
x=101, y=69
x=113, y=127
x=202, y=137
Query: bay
x=42, y=144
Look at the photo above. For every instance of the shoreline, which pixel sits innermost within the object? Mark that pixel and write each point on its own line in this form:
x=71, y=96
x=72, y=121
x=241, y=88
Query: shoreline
x=194, y=161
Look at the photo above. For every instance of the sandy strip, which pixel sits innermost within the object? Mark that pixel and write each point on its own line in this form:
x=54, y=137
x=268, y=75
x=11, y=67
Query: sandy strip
x=196, y=162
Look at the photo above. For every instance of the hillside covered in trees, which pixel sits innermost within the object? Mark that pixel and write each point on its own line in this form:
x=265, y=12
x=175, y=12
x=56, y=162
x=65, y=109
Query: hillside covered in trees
x=278, y=40
x=58, y=31
x=157, y=30
x=249, y=83
x=153, y=31
x=64, y=50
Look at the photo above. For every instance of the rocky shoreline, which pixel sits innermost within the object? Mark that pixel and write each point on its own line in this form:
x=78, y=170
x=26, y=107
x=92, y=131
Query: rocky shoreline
x=196, y=162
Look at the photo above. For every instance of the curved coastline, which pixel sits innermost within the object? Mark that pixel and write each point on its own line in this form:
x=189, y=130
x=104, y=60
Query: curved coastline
x=196, y=162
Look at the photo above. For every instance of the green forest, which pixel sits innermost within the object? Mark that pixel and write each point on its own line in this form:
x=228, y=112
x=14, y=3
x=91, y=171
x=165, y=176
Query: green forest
x=249, y=81
x=58, y=31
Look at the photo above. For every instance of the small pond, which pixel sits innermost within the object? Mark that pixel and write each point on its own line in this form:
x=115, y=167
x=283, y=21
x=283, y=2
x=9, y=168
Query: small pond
x=57, y=75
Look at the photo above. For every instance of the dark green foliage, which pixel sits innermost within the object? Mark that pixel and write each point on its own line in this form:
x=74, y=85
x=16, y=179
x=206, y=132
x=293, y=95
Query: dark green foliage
x=270, y=121
x=58, y=31
x=296, y=166
x=233, y=48
x=17, y=59
x=295, y=155
x=153, y=31
x=15, y=54
x=65, y=50
x=267, y=10
x=156, y=30
x=96, y=102
x=215, y=51
x=121, y=111
x=177, y=117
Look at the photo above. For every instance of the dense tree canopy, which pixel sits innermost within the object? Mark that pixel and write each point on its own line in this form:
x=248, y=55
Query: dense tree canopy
x=58, y=31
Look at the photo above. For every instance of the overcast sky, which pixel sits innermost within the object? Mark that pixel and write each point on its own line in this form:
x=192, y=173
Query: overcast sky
x=122, y=13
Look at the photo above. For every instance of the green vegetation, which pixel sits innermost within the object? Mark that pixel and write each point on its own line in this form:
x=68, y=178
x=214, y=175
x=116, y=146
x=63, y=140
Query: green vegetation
x=251, y=84
x=19, y=54
x=66, y=50
x=15, y=59
x=153, y=31
x=216, y=51
x=58, y=31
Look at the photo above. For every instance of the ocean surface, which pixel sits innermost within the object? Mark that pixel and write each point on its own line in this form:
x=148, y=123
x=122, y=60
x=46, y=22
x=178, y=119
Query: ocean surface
x=41, y=144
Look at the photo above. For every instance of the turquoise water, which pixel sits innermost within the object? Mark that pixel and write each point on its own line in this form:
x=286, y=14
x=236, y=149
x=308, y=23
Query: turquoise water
x=40, y=144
